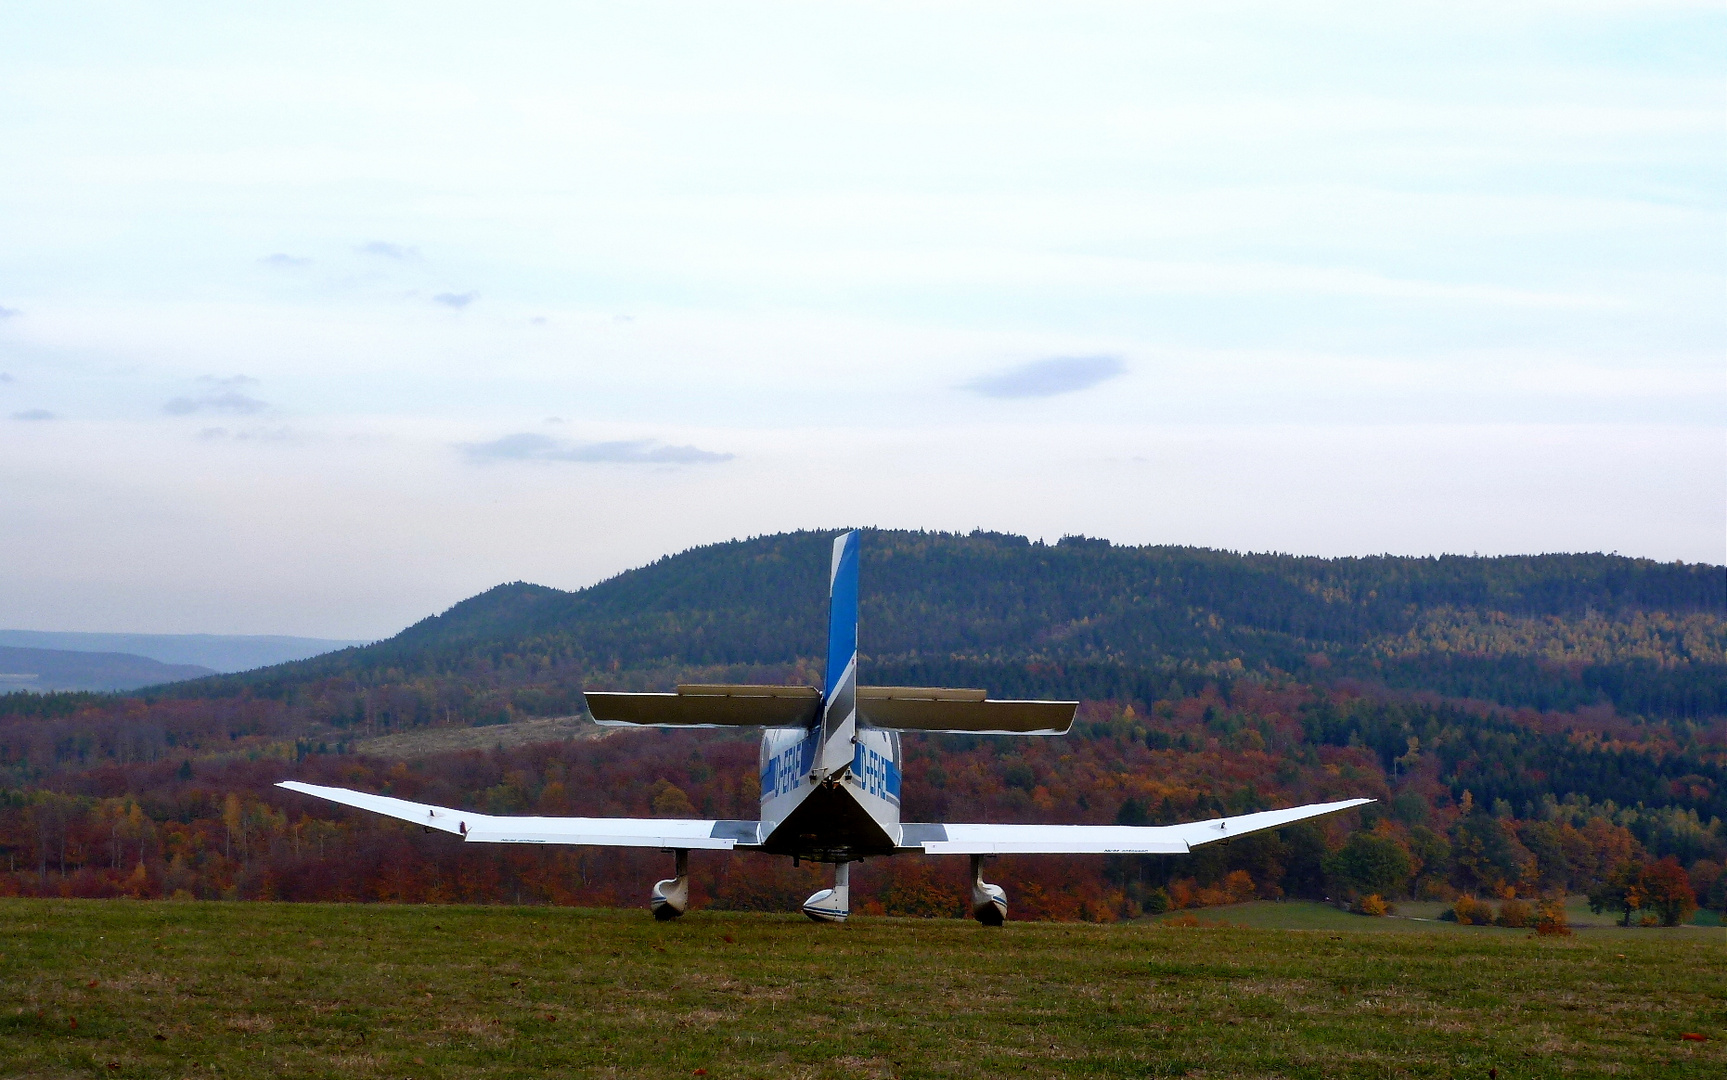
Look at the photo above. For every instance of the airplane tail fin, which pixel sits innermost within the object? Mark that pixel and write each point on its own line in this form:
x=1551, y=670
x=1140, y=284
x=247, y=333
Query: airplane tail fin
x=839, y=703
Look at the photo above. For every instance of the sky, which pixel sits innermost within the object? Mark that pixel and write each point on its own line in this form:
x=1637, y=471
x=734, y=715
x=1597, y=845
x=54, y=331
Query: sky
x=318, y=318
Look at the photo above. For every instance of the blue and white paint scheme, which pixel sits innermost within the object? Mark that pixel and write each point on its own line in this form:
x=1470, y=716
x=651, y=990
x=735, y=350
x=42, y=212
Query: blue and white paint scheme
x=839, y=699
x=830, y=778
x=833, y=771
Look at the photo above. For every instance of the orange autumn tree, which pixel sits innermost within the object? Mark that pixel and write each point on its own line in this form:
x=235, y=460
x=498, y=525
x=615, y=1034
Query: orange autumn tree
x=1661, y=889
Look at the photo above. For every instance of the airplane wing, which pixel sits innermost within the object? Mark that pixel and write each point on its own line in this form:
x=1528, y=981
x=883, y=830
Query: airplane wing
x=960, y=712
x=719, y=835
x=705, y=705
x=1103, y=839
x=726, y=835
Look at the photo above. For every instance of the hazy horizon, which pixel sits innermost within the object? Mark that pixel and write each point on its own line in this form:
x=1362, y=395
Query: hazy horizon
x=315, y=321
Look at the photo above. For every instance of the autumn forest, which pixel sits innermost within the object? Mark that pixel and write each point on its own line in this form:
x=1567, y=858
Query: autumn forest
x=1530, y=726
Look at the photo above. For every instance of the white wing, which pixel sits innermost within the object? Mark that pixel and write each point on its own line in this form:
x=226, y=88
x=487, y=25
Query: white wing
x=1104, y=839
x=601, y=832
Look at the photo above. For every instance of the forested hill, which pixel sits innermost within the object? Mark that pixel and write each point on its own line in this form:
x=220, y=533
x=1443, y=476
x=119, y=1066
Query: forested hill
x=1088, y=618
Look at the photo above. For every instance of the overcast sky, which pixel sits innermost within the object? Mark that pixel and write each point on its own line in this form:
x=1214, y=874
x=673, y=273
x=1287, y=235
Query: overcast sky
x=316, y=319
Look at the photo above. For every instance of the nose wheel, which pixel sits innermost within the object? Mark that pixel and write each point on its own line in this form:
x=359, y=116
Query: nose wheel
x=988, y=902
x=835, y=904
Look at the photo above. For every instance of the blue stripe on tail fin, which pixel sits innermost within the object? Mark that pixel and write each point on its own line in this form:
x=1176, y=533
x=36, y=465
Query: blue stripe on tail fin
x=839, y=705
x=842, y=611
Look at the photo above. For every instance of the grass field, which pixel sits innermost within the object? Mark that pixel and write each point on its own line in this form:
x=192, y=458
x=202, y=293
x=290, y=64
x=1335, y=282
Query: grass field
x=125, y=989
x=1411, y=917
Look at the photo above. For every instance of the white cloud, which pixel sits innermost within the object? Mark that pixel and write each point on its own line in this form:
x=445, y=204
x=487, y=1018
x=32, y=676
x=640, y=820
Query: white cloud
x=529, y=446
x=1048, y=378
x=227, y=401
x=399, y=252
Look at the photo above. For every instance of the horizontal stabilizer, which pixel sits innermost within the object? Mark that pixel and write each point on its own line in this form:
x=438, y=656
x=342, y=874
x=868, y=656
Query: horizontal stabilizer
x=599, y=832
x=708, y=705
x=1104, y=839
x=960, y=712
x=897, y=708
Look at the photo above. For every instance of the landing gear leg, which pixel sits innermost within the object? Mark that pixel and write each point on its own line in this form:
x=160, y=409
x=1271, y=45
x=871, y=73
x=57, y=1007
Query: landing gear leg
x=671, y=897
x=832, y=905
x=988, y=902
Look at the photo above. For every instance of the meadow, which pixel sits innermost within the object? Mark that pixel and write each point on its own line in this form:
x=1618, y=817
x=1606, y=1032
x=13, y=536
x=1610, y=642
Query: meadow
x=187, y=989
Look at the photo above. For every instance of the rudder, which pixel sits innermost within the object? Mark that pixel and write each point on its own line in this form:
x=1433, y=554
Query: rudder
x=839, y=712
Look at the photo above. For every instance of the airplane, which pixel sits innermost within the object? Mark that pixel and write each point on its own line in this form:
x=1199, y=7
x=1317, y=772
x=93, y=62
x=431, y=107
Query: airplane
x=830, y=779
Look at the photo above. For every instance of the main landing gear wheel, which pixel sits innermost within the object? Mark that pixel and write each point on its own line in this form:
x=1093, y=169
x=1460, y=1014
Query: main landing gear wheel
x=988, y=902
x=671, y=897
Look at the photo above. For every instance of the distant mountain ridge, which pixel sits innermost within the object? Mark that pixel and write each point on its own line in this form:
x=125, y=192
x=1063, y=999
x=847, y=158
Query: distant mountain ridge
x=216, y=652
x=1080, y=617
x=60, y=669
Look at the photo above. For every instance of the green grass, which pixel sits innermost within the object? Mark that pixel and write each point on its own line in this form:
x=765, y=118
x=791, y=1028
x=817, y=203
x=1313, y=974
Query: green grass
x=1415, y=917
x=1303, y=915
x=204, y=989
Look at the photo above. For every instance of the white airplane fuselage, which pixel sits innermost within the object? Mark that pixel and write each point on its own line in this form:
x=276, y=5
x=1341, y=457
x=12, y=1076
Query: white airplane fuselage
x=834, y=814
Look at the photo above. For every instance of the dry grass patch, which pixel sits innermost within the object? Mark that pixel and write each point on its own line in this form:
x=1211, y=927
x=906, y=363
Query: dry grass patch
x=425, y=742
x=858, y=1066
x=488, y=1032
x=350, y=1064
